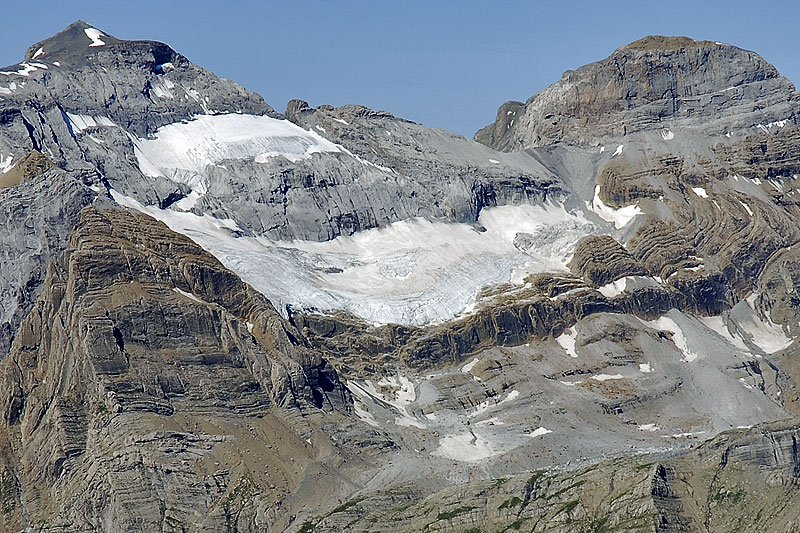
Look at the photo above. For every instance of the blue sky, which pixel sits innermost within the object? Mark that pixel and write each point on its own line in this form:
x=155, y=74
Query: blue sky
x=442, y=63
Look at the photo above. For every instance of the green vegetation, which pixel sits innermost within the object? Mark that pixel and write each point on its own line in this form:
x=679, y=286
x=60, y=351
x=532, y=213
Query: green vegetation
x=509, y=503
x=447, y=515
x=568, y=507
x=345, y=506
x=8, y=494
x=307, y=527
x=516, y=524
x=559, y=492
x=597, y=526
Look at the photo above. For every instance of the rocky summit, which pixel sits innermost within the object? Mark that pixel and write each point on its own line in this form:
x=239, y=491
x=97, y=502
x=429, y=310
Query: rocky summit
x=218, y=317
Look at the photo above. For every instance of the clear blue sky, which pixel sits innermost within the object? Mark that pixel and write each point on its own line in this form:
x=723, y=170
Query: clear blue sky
x=442, y=63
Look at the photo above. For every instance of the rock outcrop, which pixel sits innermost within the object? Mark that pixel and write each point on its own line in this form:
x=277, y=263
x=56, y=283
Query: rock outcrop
x=653, y=84
x=143, y=363
x=630, y=233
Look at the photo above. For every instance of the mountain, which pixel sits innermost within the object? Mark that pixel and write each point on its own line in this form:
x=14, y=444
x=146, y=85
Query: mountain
x=219, y=317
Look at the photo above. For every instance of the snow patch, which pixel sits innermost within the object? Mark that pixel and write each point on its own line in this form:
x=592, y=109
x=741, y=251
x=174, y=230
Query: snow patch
x=26, y=69
x=469, y=366
x=701, y=192
x=618, y=151
x=567, y=341
x=10, y=89
x=80, y=123
x=645, y=368
x=539, y=432
x=648, y=427
x=6, y=164
x=667, y=135
x=678, y=338
x=762, y=332
x=465, y=447
x=187, y=295
x=494, y=161
x=188, y=148
x=607, y=377
x=746, y=208
x=38, y=52
x=614, y=288
x=619, y=217
x=94, y=35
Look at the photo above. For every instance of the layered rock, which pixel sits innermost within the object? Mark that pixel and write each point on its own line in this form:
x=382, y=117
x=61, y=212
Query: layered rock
x=720, y=486
x=652, y=84
x=143, y=362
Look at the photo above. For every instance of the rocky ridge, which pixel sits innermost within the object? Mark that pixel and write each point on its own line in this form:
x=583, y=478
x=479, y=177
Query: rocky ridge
x=148, y=387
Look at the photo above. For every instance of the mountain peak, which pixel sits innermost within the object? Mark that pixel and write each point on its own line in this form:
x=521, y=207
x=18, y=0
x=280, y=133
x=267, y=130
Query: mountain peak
x=76, y=40
x=664, y=42
x=643, y=86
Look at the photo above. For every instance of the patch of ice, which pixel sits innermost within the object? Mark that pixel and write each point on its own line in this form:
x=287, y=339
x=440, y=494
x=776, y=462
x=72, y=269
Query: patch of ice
x=469, y=366
x=717, y=325
x=567, y=341
x=667, y=135
x=614, y=288
x=411, y=272
x=465, y=447
x=618, y=151
x=700, y=191
x=6, y=164
x=645, y=368
x=80, y=123
x=187, y=295
x=678, y=338
x=364, y=414
x=685, y=435
x=762, y=332
x=26, y=69
x=619, y=217
x=513, y=395
x=607, y=377
x=539, y=432
x=188, y=148
x=94, y=35
x=162, y=88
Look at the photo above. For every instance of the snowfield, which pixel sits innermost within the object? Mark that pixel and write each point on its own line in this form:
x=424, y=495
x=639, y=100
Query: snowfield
x=415, y=271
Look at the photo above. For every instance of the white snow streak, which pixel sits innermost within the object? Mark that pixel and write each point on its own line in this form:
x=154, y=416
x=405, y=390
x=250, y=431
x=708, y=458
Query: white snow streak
x=94, y=35
x=619, y=217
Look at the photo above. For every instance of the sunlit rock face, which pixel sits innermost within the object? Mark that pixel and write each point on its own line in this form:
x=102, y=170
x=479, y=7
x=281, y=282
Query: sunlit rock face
x=217, y=317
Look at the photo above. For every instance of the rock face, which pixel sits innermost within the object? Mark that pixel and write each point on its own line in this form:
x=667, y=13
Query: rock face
x=720, y=487
x=219, y=318
x=106, y=402
x=648, y=85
